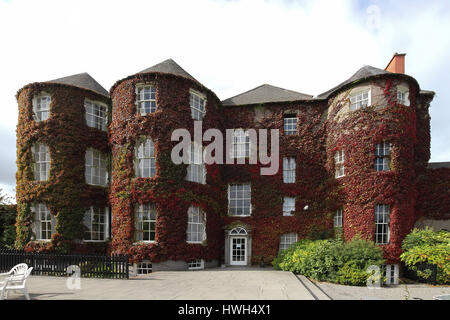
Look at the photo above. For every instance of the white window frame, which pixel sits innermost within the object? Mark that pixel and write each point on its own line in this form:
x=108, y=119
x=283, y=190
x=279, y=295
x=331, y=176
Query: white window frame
x=289, y=169
x=240, y=196
x=196, y=226
x=287, y=239
x=41, y=106
x=144, y=267
x=288, y=206
x=383, y=156
x=41, y=159
x=197, y=101
x=196, y=170
x=90, y=221
x=358, y=101
x=339, y=162
x=144, y=153
x=196, y=264
x=96, y=114
x=290, y=124
x=141, y=99
x=240, y=145
x=96, y=168
x=338, y=218
x=140, y=220
x=48, y=220
x=382, y=220
x=403, y=96
x=391, y=272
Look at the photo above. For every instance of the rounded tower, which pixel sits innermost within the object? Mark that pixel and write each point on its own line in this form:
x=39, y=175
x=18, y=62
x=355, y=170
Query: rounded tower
x=164, y=214
x=371, y=141
x=62, y=165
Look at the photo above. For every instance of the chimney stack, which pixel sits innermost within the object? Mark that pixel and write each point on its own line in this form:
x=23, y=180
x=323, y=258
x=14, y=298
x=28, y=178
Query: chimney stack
x=397, y=63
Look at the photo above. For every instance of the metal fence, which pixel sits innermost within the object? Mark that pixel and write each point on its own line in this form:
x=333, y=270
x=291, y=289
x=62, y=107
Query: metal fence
x=51, y=264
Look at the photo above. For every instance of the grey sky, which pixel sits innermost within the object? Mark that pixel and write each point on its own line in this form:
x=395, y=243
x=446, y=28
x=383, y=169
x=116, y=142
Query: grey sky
x=229, y=46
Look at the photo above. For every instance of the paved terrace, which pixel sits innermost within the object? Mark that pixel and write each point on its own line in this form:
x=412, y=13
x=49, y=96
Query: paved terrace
x=210, y=284
x=214, y=284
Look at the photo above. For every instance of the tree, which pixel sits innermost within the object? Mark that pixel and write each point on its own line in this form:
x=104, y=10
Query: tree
x=7, y=221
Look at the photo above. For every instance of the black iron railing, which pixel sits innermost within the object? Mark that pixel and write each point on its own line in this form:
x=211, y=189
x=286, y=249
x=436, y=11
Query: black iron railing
x=52, y=264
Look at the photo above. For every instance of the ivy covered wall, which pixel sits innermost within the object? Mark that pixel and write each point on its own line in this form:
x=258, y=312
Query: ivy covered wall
x=168, y=189
x=65, y=193
x=323, y=127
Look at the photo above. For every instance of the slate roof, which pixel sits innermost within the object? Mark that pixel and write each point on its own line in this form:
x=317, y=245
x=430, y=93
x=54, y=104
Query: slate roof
x=169, y=66
x=264, y=94
x=436, y=165
x=82, y=80
x=363, y=73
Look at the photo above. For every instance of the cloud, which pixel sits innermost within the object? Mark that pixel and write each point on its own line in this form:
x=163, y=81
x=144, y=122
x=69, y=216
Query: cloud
x=230, y=46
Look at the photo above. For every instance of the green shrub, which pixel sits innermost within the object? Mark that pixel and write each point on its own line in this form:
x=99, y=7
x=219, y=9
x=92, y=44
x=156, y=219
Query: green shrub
x=351, y=274
x=427, y=246
x=426, y=236
x=8, y=237
x=331, y=260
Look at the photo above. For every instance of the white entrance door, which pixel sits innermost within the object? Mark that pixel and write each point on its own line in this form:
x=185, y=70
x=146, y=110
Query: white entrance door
x=238, y=252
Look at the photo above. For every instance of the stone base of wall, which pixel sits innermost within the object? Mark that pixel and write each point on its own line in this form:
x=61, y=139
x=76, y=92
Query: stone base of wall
x=172, y=265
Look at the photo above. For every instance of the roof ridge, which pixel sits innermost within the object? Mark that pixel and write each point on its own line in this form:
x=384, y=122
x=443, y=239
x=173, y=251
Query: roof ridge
x=82, y=80
x=271, y=94
x=168, y=66
x=245, y=92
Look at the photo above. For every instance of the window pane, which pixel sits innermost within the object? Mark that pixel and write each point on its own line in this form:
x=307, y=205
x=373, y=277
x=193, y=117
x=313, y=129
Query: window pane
x=96, y=115
x=146, y=99
x=145, y=159
x=239, y=200
x=145, y=222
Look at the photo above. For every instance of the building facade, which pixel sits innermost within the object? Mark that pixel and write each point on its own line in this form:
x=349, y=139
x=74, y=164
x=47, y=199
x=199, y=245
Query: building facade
x=95, y=170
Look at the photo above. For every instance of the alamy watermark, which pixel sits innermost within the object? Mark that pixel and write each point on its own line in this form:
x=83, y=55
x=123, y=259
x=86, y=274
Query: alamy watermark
x=240, y=145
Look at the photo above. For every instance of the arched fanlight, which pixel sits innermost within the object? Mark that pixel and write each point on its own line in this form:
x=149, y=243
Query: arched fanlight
x=238, y=231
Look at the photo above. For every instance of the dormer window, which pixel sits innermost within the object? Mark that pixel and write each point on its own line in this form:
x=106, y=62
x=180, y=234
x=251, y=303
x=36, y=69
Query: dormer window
x=41, y=107
x=96, y=114
x=146, y=99
x=360, y=100
x=402, y=96
x=198, y=105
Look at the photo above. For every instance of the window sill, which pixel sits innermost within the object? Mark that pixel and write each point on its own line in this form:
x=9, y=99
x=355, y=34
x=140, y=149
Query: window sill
x=239, y=215
x=203, y=183
x=148, y=113
x=95, y=240
x=137, y=243
x=97, y=185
